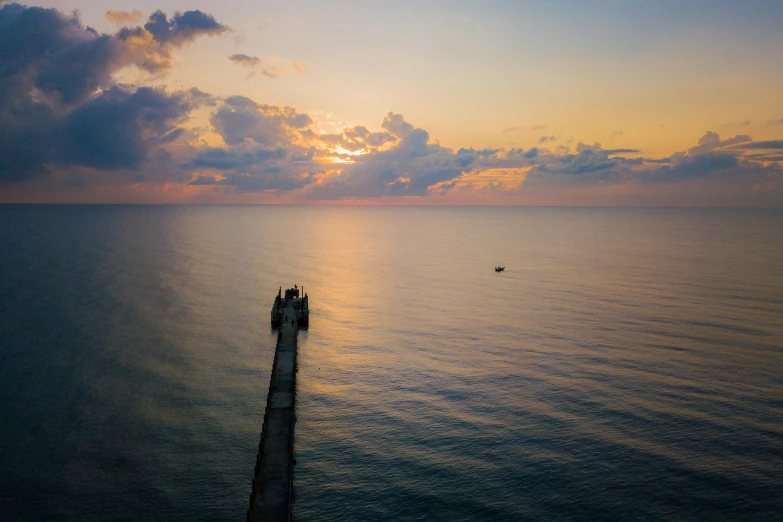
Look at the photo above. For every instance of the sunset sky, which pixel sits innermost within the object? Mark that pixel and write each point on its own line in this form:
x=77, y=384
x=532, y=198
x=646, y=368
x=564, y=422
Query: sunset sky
x=650, y=103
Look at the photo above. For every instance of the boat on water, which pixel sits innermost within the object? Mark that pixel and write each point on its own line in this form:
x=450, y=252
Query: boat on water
x=299, y=307
x=499, y=268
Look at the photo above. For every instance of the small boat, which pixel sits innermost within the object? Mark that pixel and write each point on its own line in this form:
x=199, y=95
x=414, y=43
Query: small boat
x=499, y=268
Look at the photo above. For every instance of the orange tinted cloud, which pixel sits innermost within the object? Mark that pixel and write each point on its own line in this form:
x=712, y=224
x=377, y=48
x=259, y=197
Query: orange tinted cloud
x=120, y=17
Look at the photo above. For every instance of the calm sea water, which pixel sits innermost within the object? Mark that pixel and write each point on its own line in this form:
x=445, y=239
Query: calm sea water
x=627, y=365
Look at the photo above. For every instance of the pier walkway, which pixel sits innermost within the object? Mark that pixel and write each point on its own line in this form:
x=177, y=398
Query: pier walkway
x=274, y=472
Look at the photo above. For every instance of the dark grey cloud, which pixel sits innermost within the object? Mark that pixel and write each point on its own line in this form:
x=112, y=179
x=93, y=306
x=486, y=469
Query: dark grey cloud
x=765, y=157
x=771, y=144
x=358, y=138
x=411, y=167
x=622, y=151
x=25, y=140
x=59, y=104
x=182, y=27
x=267, y=179
x=544, y=139
x=225, y=159
x=151, y=47
x=692, y=168
x=75, y=73
x=245, y=60
x=583, y=162
x=713, y=160
x=414, y=166
x=39, y=44
x=118, y=129
x=255, y=65
x=270, y=70
x=711, y=141
x=241, y=119
x=27, y=35
x=264, y=151
x=587, y=159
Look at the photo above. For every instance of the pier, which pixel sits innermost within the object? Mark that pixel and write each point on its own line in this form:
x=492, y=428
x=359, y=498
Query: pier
x=274, y=472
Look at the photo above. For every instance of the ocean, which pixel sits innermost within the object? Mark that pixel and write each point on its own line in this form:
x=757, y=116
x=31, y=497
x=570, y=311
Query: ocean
x=628, y=364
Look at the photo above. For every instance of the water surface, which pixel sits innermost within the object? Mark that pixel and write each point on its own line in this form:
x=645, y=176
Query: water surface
x=627, y=364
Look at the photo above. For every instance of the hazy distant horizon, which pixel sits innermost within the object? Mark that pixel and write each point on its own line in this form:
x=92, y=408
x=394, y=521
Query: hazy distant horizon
x=400, y=205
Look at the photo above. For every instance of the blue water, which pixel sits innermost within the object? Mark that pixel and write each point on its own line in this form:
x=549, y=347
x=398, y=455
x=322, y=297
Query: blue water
x=627, y=365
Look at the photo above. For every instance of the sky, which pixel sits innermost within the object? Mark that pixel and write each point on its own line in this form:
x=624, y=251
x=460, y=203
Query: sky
x=557, y=102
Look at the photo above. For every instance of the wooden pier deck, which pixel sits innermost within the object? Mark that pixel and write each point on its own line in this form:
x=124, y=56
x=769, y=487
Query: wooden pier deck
x=273, y=479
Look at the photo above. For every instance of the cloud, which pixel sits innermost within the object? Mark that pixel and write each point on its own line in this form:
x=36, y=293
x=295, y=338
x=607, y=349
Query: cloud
x=775, y=122
x=56, y=80
x=615, y=134
x=411, y=167
x=116, y=130
x=692, y=167
x=225, y=159
x=737, y=124
x=772, y=144
x=587, y=159
x=241, y=119
x=68, y=123
x=119, y=128
x=46, y=49
x=265, y=150
x=255, y=64
x=622, y=151
x=358, y=138
x=711, y=141
x=182, y=27
x=396, y=125
x=245, y=60
x=407, y=163
x=151, y=47
x=533, y=128
x=120, y=17
x=255, y=169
